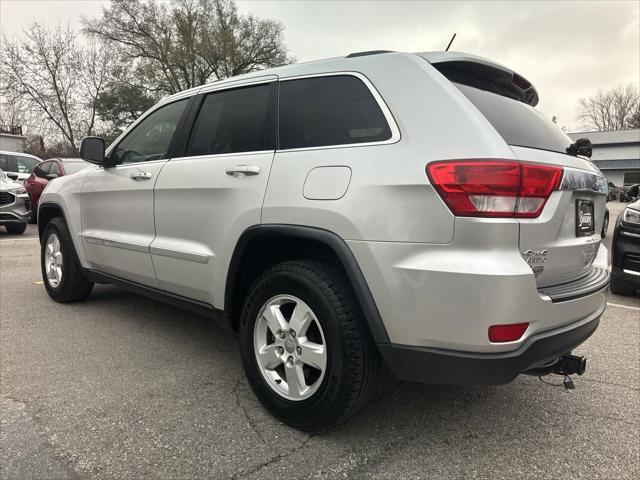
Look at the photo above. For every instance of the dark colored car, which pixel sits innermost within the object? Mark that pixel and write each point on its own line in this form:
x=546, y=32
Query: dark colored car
x=44, y=173
x=631, y=194
x=625, y=265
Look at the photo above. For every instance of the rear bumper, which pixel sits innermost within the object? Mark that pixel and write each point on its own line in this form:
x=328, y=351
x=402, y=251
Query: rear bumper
x=445, y=297
x=433, y=365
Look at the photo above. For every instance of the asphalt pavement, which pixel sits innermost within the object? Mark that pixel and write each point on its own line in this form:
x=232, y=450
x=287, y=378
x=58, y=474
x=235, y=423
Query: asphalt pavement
x=121, y=386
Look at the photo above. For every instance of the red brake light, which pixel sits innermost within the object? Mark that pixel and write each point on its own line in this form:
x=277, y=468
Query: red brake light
x=507, y=333
x=494, y=187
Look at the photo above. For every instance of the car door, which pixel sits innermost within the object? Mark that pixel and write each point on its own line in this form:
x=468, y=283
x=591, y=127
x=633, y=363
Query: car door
x=35, y=183
x=117, y=202
x=206, y=198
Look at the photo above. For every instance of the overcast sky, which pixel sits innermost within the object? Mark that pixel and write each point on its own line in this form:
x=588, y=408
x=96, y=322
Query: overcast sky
x=568, y=50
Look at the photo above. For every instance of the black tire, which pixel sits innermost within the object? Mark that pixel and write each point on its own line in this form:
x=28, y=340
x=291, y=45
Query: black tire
x=605, y=226
x=73, y=286
x=350, y=373
x=618, y=287
x=15, y=228
x=33, y=214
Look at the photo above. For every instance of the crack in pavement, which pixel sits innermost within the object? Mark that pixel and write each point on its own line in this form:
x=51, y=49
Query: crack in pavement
x=271, y=461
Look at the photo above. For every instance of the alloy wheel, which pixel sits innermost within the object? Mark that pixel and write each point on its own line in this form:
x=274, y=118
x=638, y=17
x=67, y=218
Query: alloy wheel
x=290, y=347
x=53, y=260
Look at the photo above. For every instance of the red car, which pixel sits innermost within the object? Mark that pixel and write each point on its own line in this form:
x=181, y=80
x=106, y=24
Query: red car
x=44, y=173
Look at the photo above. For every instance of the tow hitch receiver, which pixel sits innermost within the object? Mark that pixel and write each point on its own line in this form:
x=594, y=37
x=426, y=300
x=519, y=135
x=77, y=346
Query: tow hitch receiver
x=570, y=365
x=565, y=366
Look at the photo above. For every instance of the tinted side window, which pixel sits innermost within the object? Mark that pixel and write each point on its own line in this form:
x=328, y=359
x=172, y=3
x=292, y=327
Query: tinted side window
x=54, y=169
x=42, y=170
x=25, y=164
x=233, y=121
x=150, y=139
x=323, y=111
x=4, y=162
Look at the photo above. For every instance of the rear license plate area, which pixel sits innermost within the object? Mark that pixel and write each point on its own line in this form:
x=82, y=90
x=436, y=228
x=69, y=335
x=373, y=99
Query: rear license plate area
x=585, y=218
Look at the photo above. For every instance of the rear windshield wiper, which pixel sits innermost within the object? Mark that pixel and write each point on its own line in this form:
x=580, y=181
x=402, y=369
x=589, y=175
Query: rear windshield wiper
x=581, y=146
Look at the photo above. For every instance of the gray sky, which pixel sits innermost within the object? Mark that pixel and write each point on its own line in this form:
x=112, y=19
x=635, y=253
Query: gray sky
x=568, y=50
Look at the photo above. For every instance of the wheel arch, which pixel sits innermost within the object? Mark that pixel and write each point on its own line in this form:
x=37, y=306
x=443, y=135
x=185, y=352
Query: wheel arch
x=261, y=246
x=46, y=212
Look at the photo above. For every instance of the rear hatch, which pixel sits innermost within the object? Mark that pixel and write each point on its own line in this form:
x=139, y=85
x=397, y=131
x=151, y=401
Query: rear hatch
x=562, y=243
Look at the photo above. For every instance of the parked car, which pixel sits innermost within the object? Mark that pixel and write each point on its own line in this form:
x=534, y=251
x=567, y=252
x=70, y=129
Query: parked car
x=47, y=171
x=16, y=165
x=614, y=192
x=14, y=205
x=409, y=207
x=625, y=251
x=631, y=194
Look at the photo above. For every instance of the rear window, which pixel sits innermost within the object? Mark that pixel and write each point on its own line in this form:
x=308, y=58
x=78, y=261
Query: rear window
x=332, y=110
x=234, y=121
x=518, y=123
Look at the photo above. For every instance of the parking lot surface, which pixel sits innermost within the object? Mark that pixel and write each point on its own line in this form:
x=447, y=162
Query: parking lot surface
x=121, y=386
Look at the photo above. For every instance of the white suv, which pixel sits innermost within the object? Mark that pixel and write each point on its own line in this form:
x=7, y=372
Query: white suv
x=413, y=208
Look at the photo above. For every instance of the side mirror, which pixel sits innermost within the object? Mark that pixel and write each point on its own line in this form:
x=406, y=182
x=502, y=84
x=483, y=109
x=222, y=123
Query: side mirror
x=92, y=150
x=12, y=176
x=51, y=176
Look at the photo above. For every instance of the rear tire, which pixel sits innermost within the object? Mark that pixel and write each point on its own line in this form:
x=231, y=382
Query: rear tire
x=348, y=376
x=61, y=271
x=619, y=288
x=15, y=228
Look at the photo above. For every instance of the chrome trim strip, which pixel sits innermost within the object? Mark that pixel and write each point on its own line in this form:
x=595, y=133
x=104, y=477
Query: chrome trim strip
x=584, y=181
x=217, y=155
x=631, y=272
x=111, y=243
x=191, y=257
x=393, y=126
x=239, y=83
x=629, y=234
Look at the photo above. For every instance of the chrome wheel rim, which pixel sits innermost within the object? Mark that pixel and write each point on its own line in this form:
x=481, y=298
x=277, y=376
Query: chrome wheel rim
x=290, y=347
x=53, y=260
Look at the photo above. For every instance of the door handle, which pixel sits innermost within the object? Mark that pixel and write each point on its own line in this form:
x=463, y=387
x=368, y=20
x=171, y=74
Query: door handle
x=243, y=170
x=141, y=176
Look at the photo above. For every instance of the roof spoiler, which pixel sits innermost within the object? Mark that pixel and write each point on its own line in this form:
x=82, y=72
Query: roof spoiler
x=483, y=74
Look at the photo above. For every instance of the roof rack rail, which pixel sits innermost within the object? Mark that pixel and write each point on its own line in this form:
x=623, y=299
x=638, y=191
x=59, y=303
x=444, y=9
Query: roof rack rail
x=369, y=52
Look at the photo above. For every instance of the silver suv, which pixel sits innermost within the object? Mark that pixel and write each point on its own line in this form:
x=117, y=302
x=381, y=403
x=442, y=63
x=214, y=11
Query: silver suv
x=409, y=208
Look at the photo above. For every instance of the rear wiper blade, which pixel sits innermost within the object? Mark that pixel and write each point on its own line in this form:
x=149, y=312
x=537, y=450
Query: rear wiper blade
x=581, y=146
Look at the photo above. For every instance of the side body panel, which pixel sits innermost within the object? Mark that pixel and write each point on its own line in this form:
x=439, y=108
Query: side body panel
x=200, y=213
x=117, y=220
x=389, y=197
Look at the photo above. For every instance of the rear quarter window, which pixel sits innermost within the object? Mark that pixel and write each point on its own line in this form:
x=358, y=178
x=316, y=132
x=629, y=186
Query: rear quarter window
x=516, y=122
x=331, y=110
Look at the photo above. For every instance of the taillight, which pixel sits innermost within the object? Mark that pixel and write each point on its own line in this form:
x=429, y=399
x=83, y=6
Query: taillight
x=507, y=333
x=494, y=187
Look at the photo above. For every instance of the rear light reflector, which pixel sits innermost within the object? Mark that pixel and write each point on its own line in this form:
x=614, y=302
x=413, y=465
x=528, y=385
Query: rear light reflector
x=494, y=187
x=507, y=333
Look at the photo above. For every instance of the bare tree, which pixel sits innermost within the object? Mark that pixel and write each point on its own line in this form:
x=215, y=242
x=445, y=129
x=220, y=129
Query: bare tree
x=185, y=43
x=56, y=78
x=615, y=109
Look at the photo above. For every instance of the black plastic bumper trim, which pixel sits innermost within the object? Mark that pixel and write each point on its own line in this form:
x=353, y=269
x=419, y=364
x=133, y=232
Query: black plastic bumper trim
x=597, y=279
x=440, y=366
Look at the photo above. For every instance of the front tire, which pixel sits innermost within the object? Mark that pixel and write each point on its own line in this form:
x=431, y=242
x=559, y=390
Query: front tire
x=61, y=271
x=305, y=347
x=16, y=228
